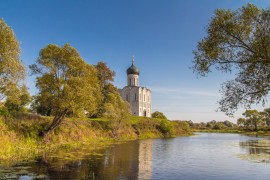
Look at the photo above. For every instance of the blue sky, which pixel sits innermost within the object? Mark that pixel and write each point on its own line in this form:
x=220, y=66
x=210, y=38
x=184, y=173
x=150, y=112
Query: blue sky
x=161, y=34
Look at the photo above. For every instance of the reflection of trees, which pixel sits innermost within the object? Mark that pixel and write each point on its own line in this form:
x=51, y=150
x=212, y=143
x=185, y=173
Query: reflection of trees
x=130, y=160
x=258, y=151
x=256, y=146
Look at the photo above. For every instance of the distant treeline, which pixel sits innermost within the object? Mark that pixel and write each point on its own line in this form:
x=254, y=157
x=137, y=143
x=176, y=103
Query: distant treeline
x=252, y=120
x=212, y=125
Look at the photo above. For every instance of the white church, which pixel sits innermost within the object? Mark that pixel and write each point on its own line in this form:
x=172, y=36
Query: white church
x=138, y=97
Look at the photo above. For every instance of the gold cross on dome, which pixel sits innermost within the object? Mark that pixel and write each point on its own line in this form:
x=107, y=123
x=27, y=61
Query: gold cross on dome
x=132, y=59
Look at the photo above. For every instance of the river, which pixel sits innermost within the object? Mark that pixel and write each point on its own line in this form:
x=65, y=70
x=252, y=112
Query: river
x=203, y=156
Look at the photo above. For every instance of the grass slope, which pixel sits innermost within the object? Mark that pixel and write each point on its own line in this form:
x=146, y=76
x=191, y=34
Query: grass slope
x=19, y=135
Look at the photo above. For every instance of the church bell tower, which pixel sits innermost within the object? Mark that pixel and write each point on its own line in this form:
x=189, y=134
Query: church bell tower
x=138, y=97
x=133, y=75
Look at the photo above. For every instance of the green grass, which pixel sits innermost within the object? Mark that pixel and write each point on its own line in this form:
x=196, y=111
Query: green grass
x=19, y=135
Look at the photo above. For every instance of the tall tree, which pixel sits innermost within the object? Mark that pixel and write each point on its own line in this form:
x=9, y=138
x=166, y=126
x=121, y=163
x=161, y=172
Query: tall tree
x=66, y=83
x=17, y=101
x=105, y=77
x=266, y=116
x=238, y=39
x=241, y=122
x=12, y=70
x=253, y=117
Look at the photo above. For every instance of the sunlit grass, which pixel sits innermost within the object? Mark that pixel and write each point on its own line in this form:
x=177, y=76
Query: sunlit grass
x=19, y=136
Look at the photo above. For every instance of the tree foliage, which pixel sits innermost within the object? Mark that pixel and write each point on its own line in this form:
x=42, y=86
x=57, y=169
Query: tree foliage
x=105, y=77
x=12, y=70
x=266, y=116
x=66, y=83
x=219, y=126
x=253, y=117
x=167, y=127
x=17, y=101
x=241, y=122
x=159, y=115
x=238, y=39
x=115, y=108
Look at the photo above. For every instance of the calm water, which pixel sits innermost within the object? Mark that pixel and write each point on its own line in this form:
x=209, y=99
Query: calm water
x=204, y=156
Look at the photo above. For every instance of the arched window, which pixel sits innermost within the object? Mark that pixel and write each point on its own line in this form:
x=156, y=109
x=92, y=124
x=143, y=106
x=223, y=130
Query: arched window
x=130, y=81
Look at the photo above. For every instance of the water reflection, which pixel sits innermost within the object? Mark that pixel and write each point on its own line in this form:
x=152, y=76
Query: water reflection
x=145, y=159
x=256, y=150
x=131, y=160
x=205, y=156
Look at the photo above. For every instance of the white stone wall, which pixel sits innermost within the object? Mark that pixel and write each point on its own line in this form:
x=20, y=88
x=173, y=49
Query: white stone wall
x=128, y=93
x=145, y=102
x=141, y=105
x=133, y=80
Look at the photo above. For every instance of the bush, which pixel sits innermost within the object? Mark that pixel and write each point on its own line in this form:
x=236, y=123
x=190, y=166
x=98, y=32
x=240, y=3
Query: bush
x=159, y=115
x=219, y=126
x=4, y=111
x=167, y=128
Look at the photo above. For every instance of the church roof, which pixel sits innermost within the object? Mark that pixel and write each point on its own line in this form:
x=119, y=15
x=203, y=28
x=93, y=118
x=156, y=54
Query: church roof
x=133, y=69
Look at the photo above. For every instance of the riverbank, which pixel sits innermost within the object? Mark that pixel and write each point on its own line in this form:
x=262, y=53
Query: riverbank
x=262, y=132
x=19, y=135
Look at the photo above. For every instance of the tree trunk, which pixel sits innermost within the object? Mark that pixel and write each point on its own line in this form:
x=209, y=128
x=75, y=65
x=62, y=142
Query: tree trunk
x=57, y=120
x=255, y=125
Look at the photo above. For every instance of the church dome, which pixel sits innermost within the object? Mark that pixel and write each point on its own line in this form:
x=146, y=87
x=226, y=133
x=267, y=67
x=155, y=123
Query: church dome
x=133, y=69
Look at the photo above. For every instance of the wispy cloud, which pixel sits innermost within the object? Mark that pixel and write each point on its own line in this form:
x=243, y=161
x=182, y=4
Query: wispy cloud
x=166, y=90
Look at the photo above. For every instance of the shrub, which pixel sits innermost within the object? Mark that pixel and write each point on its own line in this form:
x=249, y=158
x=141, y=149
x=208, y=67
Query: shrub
x=219, y=126
x=167, y=128
x=159, y=115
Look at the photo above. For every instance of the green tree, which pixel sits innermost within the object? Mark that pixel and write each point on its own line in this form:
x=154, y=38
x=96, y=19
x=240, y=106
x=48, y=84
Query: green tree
x=17, y=101
x=209, y=125
x=253, y=117
x=167, y=127
x=213, y=122
x=190, y=123
x=238, y=39
x=66, y=83
x=202, y=125
x=12, y=70
x=266, y=116
x=159, y=115
x=41, y=107
x=228, y=124
x=105, y=77
x=219, y=125
x=116, y=110
x=241, y=122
